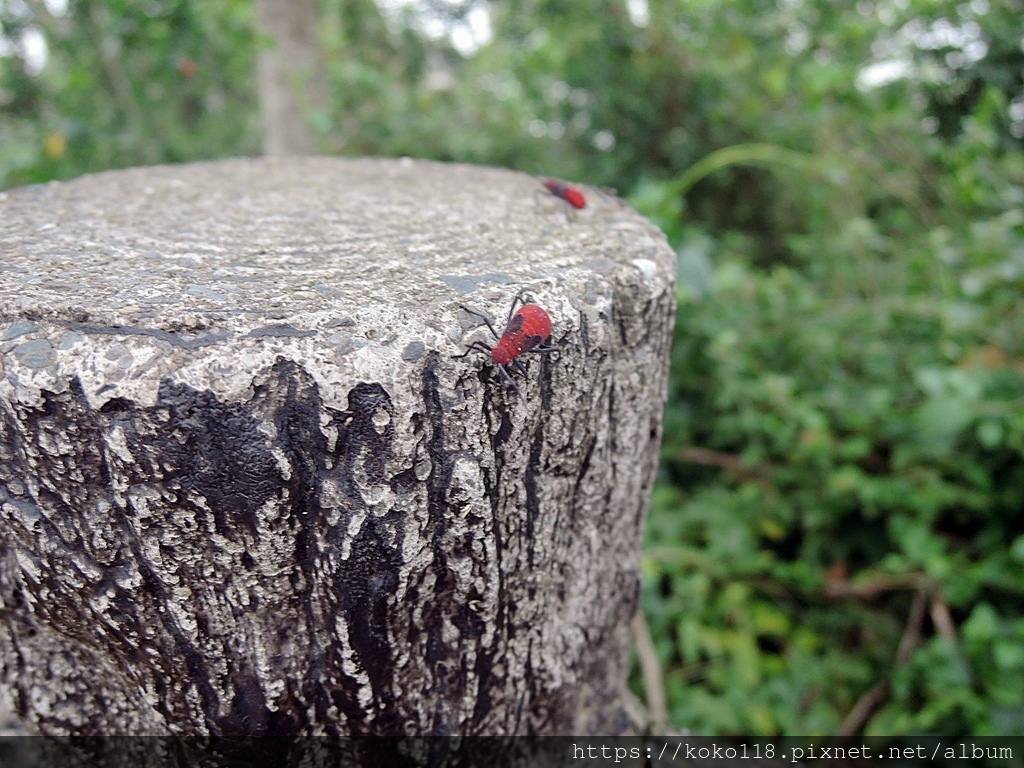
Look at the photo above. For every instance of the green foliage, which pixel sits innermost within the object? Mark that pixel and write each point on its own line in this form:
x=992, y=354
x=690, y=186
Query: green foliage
x=130, y=82
x=836, y=539
x=844, y=442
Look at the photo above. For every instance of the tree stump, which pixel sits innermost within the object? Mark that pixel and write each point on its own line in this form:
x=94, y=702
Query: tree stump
x=247, y=489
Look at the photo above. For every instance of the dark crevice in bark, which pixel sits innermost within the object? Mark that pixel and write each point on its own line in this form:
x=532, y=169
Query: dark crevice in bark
x=438, y=481
x=612, y=420
x=530, y=480
x=484, y=667
x=588, y=446
x=198, y=674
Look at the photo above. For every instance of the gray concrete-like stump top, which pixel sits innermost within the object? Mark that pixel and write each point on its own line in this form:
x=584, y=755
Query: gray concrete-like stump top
x=247, y=489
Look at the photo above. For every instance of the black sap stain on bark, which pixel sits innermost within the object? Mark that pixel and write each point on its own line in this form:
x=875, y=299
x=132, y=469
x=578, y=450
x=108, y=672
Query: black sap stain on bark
x=365, y=580
x=202, y=465
x=212, y=449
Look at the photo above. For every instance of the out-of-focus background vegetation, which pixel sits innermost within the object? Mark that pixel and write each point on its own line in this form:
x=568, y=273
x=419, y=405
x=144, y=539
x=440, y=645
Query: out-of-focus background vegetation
x=836, y=542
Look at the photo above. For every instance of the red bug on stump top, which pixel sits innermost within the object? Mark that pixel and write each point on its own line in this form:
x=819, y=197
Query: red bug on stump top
x=567, y=192
x=526, y=331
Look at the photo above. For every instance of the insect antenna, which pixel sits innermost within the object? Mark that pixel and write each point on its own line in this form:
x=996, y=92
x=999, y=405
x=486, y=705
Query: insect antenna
x=545, y=349
x=517, y=300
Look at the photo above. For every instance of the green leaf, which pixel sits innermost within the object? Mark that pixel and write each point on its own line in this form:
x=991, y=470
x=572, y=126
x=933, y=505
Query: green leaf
x=990, y=434
x=940, y=421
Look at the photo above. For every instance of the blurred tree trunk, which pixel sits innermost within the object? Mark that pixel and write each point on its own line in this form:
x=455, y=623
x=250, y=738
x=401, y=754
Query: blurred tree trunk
x=290, y=73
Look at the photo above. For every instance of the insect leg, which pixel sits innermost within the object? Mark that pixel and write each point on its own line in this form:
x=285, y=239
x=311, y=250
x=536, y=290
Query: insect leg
x=474, y=346
x=483, y=317
x=506, y=378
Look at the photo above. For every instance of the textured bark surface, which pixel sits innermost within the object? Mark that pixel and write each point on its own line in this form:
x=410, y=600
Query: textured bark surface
x=245, y=488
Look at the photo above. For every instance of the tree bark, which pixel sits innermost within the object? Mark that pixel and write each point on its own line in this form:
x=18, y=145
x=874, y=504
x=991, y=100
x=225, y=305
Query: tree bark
x=247, y=488
x=290, y=74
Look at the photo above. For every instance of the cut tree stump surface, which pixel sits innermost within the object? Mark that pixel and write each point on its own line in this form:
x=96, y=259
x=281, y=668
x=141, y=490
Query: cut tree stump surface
x=246, y=489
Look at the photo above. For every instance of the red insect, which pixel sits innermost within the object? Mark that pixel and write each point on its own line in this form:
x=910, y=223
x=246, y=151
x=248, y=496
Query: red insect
x=567, y=192
x=526, y=331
